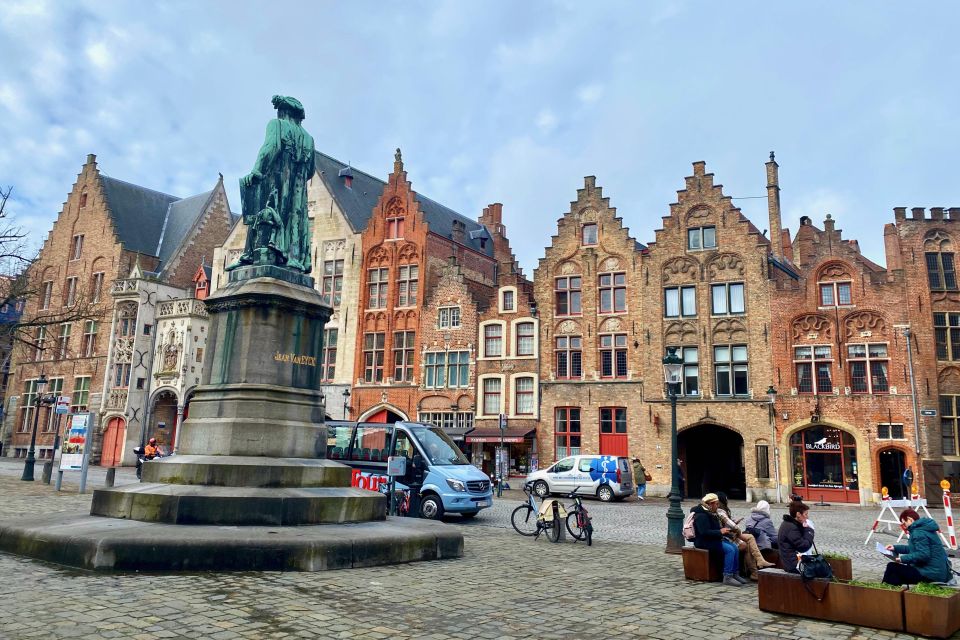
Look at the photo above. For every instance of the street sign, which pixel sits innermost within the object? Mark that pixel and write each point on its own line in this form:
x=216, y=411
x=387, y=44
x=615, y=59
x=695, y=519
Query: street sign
x=930, y=413
x=503, y=421
x=396, y=466
x=63, y=405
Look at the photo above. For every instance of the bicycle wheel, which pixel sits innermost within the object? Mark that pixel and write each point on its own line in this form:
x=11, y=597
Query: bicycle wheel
x=552, y=529
x=573, y=526
x=524, y=520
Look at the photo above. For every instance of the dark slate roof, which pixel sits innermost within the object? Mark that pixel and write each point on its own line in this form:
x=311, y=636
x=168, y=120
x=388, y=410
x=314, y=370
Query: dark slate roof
x=138, y=213
x=358, y=201
x=180, y=217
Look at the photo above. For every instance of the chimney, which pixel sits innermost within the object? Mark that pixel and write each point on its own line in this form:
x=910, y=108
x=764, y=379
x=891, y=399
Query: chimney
x=828, y=224
x=891, y=245
x=347, y=174
x=459, y=232
x=773, y=207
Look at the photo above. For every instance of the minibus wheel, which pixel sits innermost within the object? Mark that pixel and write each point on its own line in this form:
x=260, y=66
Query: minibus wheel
x=605, y=493
x=431, y=508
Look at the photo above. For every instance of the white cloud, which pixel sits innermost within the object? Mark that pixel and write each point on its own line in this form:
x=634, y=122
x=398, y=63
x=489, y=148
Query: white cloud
x=546, y=121
x=588, y=94
x=99, y=55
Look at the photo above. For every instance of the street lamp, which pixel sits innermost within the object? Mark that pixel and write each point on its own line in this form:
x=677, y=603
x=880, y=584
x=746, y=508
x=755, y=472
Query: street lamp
x=772, y=398
x=346, y=403
x=672, y=371
x=31, y=460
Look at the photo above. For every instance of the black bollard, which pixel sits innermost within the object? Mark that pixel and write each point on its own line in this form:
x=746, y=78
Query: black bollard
x=111, y=476
x=47, y=471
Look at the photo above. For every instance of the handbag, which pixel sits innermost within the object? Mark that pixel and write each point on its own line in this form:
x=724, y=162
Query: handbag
x=647, y=477
x=812, y=567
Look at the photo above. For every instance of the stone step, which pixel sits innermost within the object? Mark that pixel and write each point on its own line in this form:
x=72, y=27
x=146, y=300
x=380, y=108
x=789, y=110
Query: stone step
x=208, y=505
x=247, y=471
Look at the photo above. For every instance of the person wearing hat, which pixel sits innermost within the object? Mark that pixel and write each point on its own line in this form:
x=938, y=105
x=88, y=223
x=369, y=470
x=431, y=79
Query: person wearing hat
x=922, y=559
x=709, y=535
x=761, y=526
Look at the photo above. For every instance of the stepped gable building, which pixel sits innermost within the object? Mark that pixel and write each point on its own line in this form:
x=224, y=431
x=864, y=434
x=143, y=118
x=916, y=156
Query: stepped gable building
x=706, y=292
x=922, y=245
x=508, y=363
x=408, y=241
x=844, y=412
x=588, y=290
x=106, y=229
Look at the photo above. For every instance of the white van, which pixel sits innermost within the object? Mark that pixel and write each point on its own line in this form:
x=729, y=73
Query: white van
x=606, y=477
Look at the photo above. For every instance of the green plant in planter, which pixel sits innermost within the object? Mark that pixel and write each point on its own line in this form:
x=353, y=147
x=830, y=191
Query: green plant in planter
x=833, y=555
x=874, y=585
x=927, y=589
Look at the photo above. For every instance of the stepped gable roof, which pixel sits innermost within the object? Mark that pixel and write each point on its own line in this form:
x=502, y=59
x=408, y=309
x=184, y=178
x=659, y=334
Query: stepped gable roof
x=180, y=218
x=138, y=213
x=358, y=201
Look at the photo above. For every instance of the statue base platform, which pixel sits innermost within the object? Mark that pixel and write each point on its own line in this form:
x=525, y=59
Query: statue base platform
x=111, y=544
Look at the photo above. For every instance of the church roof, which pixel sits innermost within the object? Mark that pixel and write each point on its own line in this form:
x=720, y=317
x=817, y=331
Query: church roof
x=138, y=213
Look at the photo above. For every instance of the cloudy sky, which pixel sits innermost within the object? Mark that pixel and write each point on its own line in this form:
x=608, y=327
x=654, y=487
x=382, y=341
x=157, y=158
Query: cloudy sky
x=497, y=101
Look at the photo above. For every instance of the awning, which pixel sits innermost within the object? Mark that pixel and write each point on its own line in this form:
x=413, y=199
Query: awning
x=492, y=434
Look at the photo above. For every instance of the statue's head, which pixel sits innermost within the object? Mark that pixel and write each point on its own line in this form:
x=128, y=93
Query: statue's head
x=290, y=105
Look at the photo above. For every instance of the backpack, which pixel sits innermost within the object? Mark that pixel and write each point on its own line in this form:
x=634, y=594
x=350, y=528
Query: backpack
x=688, y=531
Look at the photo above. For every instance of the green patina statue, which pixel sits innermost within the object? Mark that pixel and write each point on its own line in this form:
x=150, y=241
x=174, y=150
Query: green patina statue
x=274, y=194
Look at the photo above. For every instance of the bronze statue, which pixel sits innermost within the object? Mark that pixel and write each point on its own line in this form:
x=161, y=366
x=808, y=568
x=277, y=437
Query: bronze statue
x=274, y=193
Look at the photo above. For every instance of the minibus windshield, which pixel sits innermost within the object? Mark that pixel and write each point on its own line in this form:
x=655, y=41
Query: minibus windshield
x=438, y=446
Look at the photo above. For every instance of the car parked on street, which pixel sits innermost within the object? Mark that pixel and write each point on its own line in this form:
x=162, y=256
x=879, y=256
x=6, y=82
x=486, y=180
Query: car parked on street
x=606, y=477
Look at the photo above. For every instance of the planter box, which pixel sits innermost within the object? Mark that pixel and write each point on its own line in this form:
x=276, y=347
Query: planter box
x=842, y=568
x=782, y=592
x=931, y=616
x=697, y=565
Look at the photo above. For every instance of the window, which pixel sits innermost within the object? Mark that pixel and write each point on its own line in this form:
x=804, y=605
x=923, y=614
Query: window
x=81, y=394
x=491, y=396
x=373, y=344
x=890, y=432
x=407, y=285
x=88, y=348
x=941, y=272
x=403, y=356
x=525, y=339
x=814, y=367
x=332, y=283
x=569, y=357
x=127, y=324
x=613, y=355
x=589, y=234
x=493, y=341
x=445, y=420
x=141, y=383
x=40, y=345
x=523, y=396
x=377, y=288
x=448, y=318
x=730, y=366
x=200, y=291
x=96, y=286
x=835, y=294
x=949, y=420
x=946, y=330
x=147, y=329
x=727, y=299
x=567, y=430
x=446, y=369
x=76, y=248
x=763, y=462
x=83, y=199
x=395, y=228
x=121, y=376
x=55, y=389
x=508, y=300
x=328, y=355
x=27, y=403
x=868, y=368
x=702, y=238
x=613, y=420
x=46, y=294
x=680, y=302
x=690, y=378
x=199, y=356
x=613, y=292
x=71, y=298
x=63, y=342
x=567, y=296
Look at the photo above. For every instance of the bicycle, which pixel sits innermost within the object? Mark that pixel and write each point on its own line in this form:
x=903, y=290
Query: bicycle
x=528, y=521
x=579, y=522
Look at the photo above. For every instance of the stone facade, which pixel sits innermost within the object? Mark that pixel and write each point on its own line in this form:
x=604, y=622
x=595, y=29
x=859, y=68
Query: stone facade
x=590, y=340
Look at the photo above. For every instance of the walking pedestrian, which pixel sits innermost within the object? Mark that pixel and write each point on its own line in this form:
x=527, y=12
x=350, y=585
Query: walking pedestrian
x=640, y=478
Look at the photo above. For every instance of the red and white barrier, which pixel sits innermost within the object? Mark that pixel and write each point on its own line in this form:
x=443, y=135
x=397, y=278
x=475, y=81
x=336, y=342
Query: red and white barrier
x=951, y=532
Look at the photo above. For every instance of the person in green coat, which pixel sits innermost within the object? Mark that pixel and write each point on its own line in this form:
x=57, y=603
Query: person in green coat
x=923, y=558
x=640, y=478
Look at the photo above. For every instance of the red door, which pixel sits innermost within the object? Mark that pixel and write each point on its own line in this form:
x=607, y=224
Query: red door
x=113, y=437
x=379, y=416
x=613, y=431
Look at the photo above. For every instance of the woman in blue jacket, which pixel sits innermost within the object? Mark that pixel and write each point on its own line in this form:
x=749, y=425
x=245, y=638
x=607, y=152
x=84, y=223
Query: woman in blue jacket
x=923, y=558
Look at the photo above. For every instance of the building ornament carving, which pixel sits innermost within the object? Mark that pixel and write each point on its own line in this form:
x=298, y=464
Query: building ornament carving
x=863, y=322
x=680, y=269
x=568, y=326
x=812, y=323
x=725, y=266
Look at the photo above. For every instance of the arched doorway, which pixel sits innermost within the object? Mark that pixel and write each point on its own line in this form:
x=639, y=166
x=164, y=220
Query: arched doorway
x=113, y=438
x=824, y=464
x=712, y=460
x=383, y=415
x=893, y=463
x=163, y=420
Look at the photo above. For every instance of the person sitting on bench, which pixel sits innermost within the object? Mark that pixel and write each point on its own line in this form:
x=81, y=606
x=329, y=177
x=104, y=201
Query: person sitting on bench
x=710, y=535
x=922, y=559
x=795, y=536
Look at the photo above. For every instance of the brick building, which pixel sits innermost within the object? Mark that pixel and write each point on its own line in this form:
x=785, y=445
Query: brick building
x=844, y=410
x=588, y=293
x=407, y=243
x=107, y=228
x=508, y=363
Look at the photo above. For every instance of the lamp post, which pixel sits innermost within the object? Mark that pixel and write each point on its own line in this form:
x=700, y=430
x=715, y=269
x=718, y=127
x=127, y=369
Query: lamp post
x=672, y=368
x=772, y=398
x=346, y=404
x=31, y=460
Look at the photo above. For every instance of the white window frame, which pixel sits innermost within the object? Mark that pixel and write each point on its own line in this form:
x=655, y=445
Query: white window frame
x=514, y=335
x=727, y=299
x=813, y=361
x=535, y=414
x=700, y=236
x=500, y=298
x=448, y=323
x=504, y=340
x=481, y=404
x=834, y=285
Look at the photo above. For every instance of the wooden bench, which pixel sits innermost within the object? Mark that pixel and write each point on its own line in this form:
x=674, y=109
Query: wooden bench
x=697, y=566
x=771, y=555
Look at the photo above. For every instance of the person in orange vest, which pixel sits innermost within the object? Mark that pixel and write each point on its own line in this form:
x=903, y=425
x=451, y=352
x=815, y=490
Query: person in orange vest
x=151, y=451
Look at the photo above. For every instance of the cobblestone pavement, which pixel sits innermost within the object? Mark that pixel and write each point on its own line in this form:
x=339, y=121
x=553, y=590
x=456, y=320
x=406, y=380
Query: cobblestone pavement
x=504, y=587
